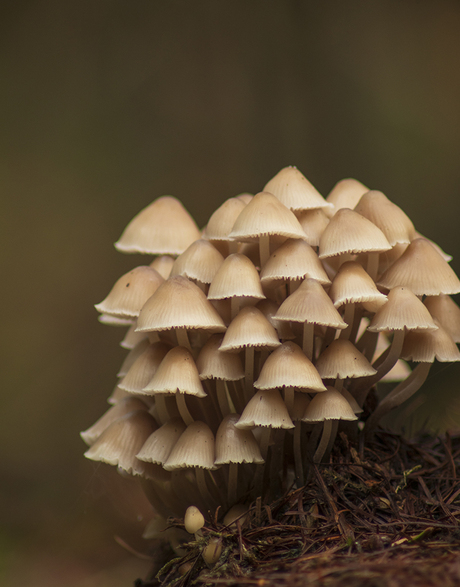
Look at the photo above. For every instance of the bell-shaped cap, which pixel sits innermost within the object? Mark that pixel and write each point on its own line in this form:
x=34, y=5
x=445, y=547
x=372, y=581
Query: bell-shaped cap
x=122, y=440
x=389, y=217
x=346, y=193
x=249, y=328
x=237, y=276
x=403, y=310
x=236, y=445
x=269, y=309
x=176, y=372
x=293, y=260
x=193, y=519
x=130, y=292
x=294, y=190
x=213, y=363
x=133, y=355
x=195, y=448
x=132, y=338
x=424, y=347
x=158, y=446
x=352, y=285
x=329, y=405
x=446, y=311
x=349, y=232
x=144, y=367
x=311, y=304
x=265, y=215
x=163, y=227
x=341, y=359
x=265, y=409
x=200, y=262
x=313, y=223
x=422, y=269
x=288, y=366
x=179, y=303
x=163, y=264
x=222, y=220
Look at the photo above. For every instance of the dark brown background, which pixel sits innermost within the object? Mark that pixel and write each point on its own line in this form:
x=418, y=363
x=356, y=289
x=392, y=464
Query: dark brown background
x=106, y=105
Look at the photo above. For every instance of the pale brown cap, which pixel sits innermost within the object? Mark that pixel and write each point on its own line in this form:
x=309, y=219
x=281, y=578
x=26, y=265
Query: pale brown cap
x=349, y=232
x=269, y=309
x=179, y=303
x=176, y=372
x=130, y=292
x=425, y=347
x=133, y=338
x=235, y=445
x=314, y=223
x=293, y=260
x=158, y=446
x=265, y=215
x=422, y=269
x=288, y=366
x=163, y=264
x=389, y=217
x=346, y=193
x=245, y=197
x=249, y=328
x=163, y=227
x=200, y=262
x=110, y=320
x=195, y=448
x=402, y=311
x=352, y=285
x=222, y=220
x=311, y=304
x=341, y=359
x=329, y=405
x=132, y=356
x=294, y=190
x=144, y=367
x=213, y=363
x=193, y=519
x=237, y=276
x=265, y=409
x=444, y=309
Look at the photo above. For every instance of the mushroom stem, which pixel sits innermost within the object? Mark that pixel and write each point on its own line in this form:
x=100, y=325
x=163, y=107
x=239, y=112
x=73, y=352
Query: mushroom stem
x=264, y=249
x=308, y=339
x=402, y=392
x=248, y=372
x=183, y=409
x=182, y=338
x=203, y=487
x=298, y=453
x=232, y=484
x=235, y=302
x=276, y=462
x=222, y=399
x=328, y=432
x=161, y=408
x=373, y=264
x=260, y=469
x=289, y=399
x=348, y=317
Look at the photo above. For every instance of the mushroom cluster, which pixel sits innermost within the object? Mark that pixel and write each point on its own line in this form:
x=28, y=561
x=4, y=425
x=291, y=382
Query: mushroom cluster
x=250, y=342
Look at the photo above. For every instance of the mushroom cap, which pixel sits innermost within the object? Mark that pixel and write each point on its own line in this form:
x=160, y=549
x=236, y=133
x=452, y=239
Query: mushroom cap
x=133, y=355
x=444, y=309
x=341, y=359
x=329, y=405
x=158, y=446
x=352, y=285
x=163, y=227
x=288, y=366
x=313, y=223
x=193, y=519
x=403, y=310
x=249, y=328
x=269, y=309
x=179, y=303
x=346, y=193
x=200, y=261
x=293, y=260
x=235, y=445
x=311, y=304
x=349, y=232
x=130, y=292
x=195, y=448
x=132, y=339
x=176, y=372
x=144, y=367
x=221, y=222
x=237, y=276
x=266, y=409
x=294, y=190
x=422, y=269
x=163, y=264
x=213, y=363
x=426, y=346
x=265, y=215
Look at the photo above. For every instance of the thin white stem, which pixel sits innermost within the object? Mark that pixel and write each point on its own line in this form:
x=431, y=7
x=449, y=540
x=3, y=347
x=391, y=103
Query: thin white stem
x=222, y=397
x=308, y=338
x=298, y=453
x=182, y=338
x=323, y=443
x=183, y=409
x=249, y=372
x=348, y=317
x=232, y=492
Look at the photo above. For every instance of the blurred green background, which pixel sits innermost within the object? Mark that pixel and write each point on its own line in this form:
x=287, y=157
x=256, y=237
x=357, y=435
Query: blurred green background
x=106, y=105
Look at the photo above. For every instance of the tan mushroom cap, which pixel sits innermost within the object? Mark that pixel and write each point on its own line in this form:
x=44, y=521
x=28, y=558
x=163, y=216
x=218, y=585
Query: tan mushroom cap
x=402, y=311
x=424, y=347
x=122, y=440
x=195, y=448
x=311, y=304
x=422, y=269
x=222, y=220
x=176, y=372
x=235, y=445
x=352, y=284
x=349, y=232
x=213, y=363
x=193, y=519
x=130, y=292
x=132, y=338
x=249, y=328
x=179, y=303
x=444, y=309
x=163, y=227
x=144, y=367
x=163, y=264
x=346, y=193
x=389, y=217
x=200, y=262
x=329, y=405
x=237, y=276
x=341, y=359
x=294, y=190
x=269, y=309
x=158, y=446
x=132, y=356
x=313, y=223
x=265, y=215
x=266, y=409
x=293, y=260
x=110, y=320
x=288, y=366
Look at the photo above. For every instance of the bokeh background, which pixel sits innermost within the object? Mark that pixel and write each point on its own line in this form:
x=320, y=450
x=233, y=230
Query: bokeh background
x=108, y=104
